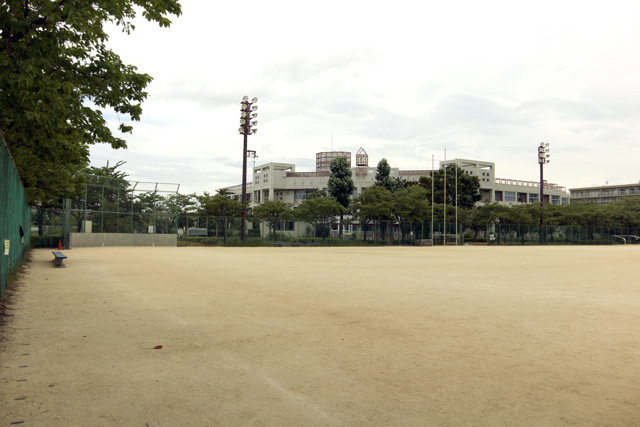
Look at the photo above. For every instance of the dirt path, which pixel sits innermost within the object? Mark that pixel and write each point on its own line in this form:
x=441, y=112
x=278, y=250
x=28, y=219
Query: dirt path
x=325, y=336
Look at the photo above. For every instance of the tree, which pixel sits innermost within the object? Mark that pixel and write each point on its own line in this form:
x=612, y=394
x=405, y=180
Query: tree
x=319, y=209
x=626, y=212
x=181, y=205
x=221, y=207
x=373, y=204
x=383, y=172
x=341, y=185
x=57, y=76
x=468, y=187
x=272, y=211
x=488, y=215
x=105, y=189
x=409, y=204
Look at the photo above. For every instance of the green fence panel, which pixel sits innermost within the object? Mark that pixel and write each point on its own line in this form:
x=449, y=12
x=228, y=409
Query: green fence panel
x=15, y=218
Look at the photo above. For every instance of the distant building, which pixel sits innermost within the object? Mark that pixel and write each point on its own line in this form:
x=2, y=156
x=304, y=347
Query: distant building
x=604, y=194
x=280, y=181
x=507, y=191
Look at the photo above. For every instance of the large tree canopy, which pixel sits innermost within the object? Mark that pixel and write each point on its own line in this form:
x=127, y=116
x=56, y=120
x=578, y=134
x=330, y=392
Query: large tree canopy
x=57, y=77
x=468, y=187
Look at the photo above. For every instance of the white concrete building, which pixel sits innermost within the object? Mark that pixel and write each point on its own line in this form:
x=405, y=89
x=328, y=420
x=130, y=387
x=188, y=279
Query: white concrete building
x=280, y=181
x=604, y=194
x=507, y=191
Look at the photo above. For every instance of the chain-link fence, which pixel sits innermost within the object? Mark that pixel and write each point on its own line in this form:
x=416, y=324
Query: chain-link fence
x=218, y=229
x=562, y=235
x=52, y=226
x=47, y=226
x=15, y=218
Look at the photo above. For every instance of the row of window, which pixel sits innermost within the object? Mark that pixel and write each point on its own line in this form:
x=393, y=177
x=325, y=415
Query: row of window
x=512, y=196
x=499, y=196
x=608, y=192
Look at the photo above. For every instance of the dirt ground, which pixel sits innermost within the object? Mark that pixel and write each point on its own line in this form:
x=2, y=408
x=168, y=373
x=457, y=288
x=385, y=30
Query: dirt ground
x=325, y=337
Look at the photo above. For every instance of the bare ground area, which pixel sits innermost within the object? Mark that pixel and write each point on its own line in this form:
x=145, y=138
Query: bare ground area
x=325, y=336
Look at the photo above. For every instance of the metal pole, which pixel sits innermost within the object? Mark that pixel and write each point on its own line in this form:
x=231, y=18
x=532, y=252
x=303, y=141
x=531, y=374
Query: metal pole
x=456, y=205
x=243, y=223
x=542, y=239
x=247, y=114
x=102, y=211
x=444, y=235
x=155, y=191
x=117, y=209
x=432, y=195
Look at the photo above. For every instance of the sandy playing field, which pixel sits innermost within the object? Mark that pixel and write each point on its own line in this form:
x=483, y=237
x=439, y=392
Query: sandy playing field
x=325, y=336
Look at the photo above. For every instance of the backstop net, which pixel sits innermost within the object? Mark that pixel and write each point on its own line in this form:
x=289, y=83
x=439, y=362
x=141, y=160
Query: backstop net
x=15, y=218
x=107, y=206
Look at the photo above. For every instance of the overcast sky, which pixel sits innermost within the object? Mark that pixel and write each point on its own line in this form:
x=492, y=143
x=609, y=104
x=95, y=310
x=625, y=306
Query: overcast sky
x=405, y=80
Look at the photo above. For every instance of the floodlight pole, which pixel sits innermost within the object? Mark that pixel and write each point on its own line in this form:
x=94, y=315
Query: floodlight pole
x=541, y=205
x=243, y=223
x=247, y=113
x=543, y=157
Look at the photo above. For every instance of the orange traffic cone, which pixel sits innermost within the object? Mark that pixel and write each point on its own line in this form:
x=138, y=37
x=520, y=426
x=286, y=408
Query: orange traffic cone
x=60, y=244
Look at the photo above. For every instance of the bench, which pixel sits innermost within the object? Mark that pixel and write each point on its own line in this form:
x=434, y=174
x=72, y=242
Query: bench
x=59, y=258
x=294, y=244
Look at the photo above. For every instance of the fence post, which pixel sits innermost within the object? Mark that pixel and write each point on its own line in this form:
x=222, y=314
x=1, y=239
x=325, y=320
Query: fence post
x=66, y=223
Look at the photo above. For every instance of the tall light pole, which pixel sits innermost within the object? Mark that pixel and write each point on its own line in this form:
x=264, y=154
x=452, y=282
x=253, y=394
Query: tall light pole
x=444, y=200
x=543, y=157
x=433, y=187
x=248, y=116
x=456, y=204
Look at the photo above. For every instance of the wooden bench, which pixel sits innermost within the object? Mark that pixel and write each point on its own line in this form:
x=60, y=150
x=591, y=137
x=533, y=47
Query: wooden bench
x=59, y=258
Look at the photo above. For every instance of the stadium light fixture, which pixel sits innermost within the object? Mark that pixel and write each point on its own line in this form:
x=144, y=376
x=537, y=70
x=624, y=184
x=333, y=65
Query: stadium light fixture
x=247, y=127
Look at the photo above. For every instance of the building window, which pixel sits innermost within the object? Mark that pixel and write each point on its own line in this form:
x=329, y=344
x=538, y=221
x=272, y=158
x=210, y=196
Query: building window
x=509, y=196
x=522, y=197
x=533, y=198
x=498, y=196
x=302, y=194
x=565, y=201
x=284, y=225
x=555, y=200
